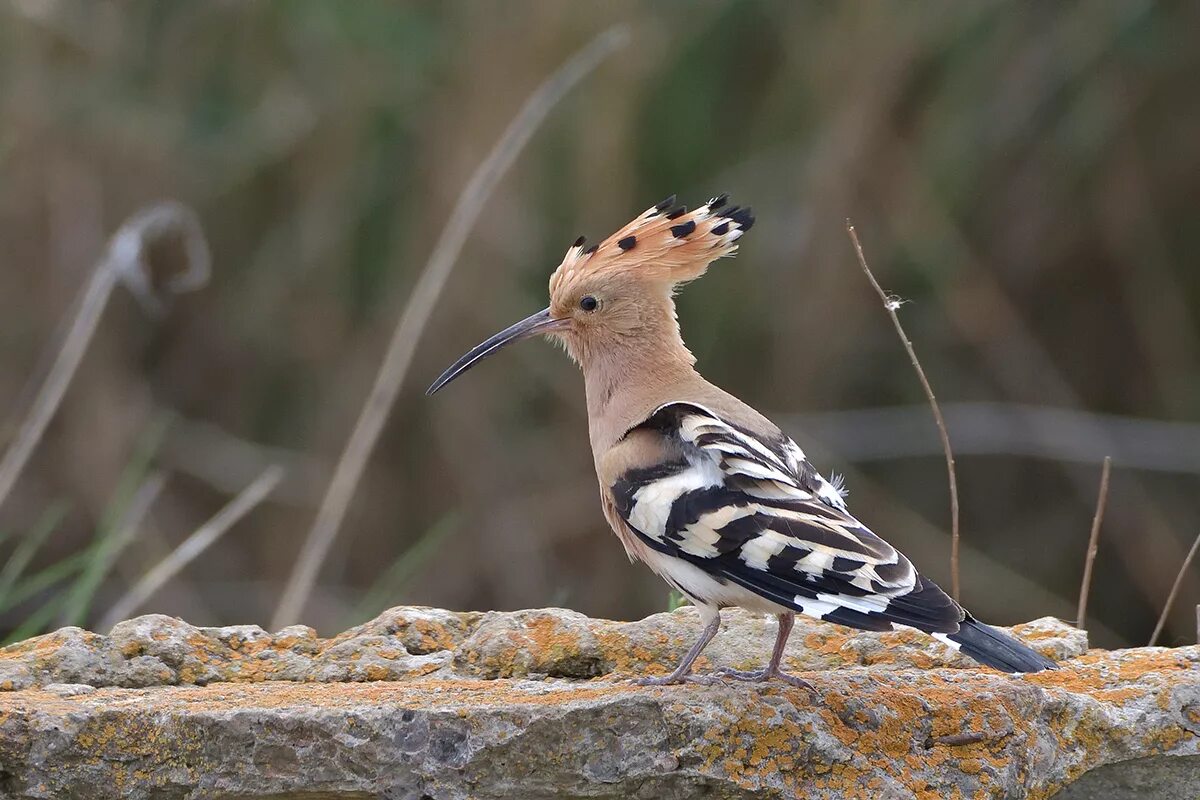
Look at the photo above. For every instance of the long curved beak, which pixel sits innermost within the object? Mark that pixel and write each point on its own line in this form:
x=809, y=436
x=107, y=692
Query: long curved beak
x=541, y=322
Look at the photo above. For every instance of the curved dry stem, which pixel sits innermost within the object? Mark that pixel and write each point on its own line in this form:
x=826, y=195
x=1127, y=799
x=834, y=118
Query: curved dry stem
x=891, y=304
x=416, y=314
x=125, y=261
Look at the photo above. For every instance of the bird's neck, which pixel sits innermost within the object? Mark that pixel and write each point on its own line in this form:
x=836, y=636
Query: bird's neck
x=628, y=378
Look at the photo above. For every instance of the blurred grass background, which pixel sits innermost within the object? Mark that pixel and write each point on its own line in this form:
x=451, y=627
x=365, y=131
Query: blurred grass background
x=1026, y=176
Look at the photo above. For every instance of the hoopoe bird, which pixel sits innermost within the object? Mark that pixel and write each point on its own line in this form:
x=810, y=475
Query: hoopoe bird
x=698, y=485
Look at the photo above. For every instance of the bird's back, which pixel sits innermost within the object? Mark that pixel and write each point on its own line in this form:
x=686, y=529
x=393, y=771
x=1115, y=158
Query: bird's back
x=728, y=509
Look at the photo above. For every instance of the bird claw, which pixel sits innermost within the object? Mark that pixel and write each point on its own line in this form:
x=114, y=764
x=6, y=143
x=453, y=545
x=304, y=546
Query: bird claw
x=792, y=680
x=764, y=675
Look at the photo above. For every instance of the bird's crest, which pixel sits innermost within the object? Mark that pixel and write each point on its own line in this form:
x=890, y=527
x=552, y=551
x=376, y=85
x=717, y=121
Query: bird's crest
x=663, y=244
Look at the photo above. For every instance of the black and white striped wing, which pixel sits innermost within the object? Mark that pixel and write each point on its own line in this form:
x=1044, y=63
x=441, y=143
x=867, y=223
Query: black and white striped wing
x=754, y=512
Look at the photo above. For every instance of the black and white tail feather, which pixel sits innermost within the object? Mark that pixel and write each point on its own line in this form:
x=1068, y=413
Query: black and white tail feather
x=738, y=519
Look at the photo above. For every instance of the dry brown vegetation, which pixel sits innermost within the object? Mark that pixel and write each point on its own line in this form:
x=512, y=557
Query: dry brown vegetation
x=1026, y=177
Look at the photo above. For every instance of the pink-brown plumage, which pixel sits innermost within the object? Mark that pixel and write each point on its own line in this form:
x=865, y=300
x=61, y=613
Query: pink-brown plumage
x=705, y=490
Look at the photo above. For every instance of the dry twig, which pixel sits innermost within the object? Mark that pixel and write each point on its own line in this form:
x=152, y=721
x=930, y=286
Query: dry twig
x=1162, y=618
x=126, y=261
x=416, y=314
x=891, y=304
x=192, y=546
x=1101, y=501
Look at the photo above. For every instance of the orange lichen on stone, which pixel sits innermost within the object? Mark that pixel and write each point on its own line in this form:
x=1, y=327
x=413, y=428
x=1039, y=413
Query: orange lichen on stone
x=553, y=641
x=758, y=738
x=754, y=743
x=624, y=656
x=1097, y=670
x=828, y=643
x=49, y=643
x=880, y=722
x=892, y=714
x=433, y=636
x=1168, y=740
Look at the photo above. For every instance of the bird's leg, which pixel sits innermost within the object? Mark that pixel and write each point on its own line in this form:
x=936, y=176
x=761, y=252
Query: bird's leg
x=682, y=672
x=772, y=669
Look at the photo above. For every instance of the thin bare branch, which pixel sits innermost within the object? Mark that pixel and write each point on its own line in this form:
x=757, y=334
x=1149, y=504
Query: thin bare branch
x=191, y=547
x=1086, y=584
x=125, y=260
x=1162, y=618
x=892, y=304
x=416, y=314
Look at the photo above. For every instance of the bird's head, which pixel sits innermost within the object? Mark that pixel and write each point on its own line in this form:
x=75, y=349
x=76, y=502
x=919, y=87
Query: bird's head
x=618, y=294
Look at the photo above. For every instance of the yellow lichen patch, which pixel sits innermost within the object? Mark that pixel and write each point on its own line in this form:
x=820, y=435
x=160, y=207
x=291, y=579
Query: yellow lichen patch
x=552, y=641
x=1167, y=739
x=911, y=729
x=376, y=672
x=627, y=655
x=887, y=723
x=829, y=642
x=1088, y=736
x=425, y=694
x=865, y=734
x=755, y=743
x=49, y=643
x=1098, y=672
x=290, y=642
x=1027, y=633
x=432, y=636
x=622, y=655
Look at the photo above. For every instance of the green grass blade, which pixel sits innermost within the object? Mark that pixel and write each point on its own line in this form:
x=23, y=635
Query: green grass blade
x=392, y=582
x=115, y=531
x=28, y=547
x=37, y=622
x=49, y=576
x=676, y=600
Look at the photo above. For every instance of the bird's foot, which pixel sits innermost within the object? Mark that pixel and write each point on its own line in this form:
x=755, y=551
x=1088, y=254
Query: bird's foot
x=673, y=680
x=764, y=675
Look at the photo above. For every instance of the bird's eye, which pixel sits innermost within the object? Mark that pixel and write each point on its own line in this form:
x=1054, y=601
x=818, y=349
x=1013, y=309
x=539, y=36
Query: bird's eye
x=589, y=303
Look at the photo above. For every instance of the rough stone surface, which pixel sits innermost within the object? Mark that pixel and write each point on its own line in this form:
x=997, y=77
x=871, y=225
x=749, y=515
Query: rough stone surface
x=423, y=703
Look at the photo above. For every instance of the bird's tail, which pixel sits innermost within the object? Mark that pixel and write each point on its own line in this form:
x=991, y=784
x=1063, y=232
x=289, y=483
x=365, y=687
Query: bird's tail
x=995, y=648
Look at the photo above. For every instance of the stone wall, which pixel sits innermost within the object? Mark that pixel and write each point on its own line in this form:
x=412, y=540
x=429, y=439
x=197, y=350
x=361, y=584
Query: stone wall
x=423, y=703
